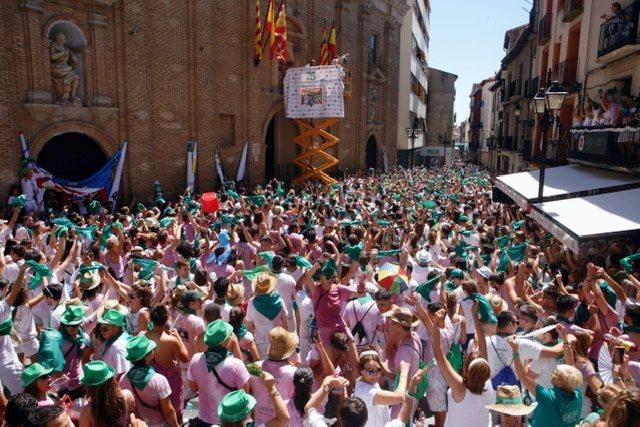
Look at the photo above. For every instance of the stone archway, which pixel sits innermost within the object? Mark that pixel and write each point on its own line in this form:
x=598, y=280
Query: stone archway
x=71, y=156
x=280, y=150
x=371, y=153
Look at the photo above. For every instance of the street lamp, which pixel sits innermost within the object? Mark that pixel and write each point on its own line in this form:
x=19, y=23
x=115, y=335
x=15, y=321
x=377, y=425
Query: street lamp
x=547, y=103
x=517, y=110
x=413, y=132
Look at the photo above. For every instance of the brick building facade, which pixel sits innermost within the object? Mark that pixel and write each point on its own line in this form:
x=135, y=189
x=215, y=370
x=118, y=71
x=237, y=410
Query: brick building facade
x=158, y=73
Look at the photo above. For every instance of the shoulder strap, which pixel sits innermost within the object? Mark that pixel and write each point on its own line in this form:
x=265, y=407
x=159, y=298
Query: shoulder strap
x=365, y=313
x=222, y=383
x=498, y=354
x=145, y=404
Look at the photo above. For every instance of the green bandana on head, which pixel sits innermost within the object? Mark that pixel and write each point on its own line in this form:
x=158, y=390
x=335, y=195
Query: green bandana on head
x=267, y=256
x=329, y=269
x=19, y=201
x=139, y=377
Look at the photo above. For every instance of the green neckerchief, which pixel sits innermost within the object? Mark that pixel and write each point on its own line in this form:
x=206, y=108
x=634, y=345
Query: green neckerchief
x=302, y=262
x=267, y=256
x=82, y=338
x=353, y=251
x=5, y=327
x=254, y=272
x=214, y=355
x=516, y=252
x=193, y=265
x=424, y=289
x=241, y=331
x=449, y=286
x=258, y=201
x=63, y=221
x=269, y=305
x=626, y=262
x=390, y=252
x=40, y=271
x=109, y=343
x=139, y=377
x=485, y=312
x=631, y=328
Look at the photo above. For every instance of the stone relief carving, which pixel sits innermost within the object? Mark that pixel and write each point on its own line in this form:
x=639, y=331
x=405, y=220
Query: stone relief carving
x=64, y=78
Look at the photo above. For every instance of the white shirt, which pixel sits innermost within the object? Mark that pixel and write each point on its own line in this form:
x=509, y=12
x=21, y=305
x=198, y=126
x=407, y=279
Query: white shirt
x=11, y=368
x=500, y=354
x=286, y=287
x=263, y=324
x=368, y=315
x=378, y=415
x=471, y=411
x=115, y=355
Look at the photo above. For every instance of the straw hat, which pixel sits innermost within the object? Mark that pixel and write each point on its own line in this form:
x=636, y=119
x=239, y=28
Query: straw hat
x=235, y=294
x=88, y=280
x=403, y=316
x=264, y=283
x=282, y=343
x=509, y=401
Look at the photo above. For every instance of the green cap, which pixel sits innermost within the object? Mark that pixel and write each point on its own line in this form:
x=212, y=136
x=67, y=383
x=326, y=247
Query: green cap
x=457, y=274
x=33, y=372
x=96, y=373
x=73, y=315
x=235, y=406
x=112, y=317
x=217, y=332
x=139, y=347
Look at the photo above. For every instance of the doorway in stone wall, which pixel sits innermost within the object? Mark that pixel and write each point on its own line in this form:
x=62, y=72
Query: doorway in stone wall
x=71, y=156
x=371, y=153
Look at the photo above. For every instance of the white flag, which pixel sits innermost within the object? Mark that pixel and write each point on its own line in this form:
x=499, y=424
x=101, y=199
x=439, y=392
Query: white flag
x=243, y=163
x=115, y=186
x=219, y=168
x=385, y=159
x=191, y=170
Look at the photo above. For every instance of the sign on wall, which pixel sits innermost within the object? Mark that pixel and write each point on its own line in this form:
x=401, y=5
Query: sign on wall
x=314, y=92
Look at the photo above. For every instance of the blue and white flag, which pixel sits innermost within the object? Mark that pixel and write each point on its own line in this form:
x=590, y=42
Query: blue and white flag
x=219, y=168
x=243, y=163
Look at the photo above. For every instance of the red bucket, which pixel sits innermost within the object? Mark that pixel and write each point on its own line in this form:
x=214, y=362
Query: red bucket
x=210, y=203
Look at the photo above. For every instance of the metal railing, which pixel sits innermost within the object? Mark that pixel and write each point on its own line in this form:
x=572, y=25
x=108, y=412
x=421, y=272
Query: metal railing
x=544, y=29
x=619, y=30
x=572, y=8
x=606, y=147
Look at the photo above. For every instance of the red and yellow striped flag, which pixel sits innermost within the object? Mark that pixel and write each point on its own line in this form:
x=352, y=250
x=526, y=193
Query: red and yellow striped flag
x=281, y=34
x=257, y=44
x=332, y=47
x=270, y=28
x=324, y=51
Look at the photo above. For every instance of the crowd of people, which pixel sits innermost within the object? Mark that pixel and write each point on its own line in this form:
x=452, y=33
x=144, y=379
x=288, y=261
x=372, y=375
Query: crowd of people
x=393, y=299
x=610, y=109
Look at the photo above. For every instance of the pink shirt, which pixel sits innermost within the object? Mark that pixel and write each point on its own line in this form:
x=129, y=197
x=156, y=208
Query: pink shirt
x=283, y=372
x=294, y=415
x=158, y=388
x=189, y=327
x=247, y=253
x=327, y=304
x=73, y=365
x=231, y=370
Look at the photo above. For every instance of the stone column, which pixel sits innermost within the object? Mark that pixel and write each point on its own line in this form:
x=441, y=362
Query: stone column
x=37, y=53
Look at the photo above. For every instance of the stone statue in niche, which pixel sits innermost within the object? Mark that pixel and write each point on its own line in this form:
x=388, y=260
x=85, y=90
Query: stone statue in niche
x=63, y=76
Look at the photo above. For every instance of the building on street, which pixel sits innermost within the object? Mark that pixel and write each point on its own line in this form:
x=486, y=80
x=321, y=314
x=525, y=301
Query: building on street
x=158, y=74
x=440, y=119
x=480, y=120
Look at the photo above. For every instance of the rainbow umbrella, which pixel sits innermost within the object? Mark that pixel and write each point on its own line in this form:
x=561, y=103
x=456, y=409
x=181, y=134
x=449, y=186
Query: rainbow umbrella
x=390, y=278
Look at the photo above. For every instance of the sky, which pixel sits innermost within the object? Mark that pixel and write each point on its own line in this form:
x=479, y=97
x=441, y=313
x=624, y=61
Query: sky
x=466, y=39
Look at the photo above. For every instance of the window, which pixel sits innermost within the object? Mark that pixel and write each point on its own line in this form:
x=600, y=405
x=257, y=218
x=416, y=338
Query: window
x=373, y=48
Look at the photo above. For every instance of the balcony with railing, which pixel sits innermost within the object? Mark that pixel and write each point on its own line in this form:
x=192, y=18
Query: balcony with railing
x=572, y=8
x=620, y=32
x=544, y=29
x=610, y=147
x=514, y=88
x=565, y=71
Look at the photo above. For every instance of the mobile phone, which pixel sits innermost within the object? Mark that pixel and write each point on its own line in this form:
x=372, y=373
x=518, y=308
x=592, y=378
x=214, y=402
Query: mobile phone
x=618, y=355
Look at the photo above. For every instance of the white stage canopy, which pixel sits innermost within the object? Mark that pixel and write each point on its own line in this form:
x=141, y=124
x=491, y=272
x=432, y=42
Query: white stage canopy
x=574, y=221
x=562, y=182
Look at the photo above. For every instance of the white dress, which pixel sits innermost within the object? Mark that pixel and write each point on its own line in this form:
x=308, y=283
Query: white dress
x=471, y=411
x=378, y=415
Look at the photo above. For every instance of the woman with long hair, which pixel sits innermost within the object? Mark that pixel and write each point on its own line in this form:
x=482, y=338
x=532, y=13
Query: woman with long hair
x=470, y=392
x=303, y=385
x=139, y=306
x=108, y=405
x=625, y=409
x=245, y=338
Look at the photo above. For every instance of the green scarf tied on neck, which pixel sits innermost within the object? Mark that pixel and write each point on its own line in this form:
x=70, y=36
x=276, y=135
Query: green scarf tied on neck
x=485, y=312
x=241, y=331
x=139, y=377
x=269, y=305
x=82, y=338
x=631, y=328
x=214, y=355
x=40, y=271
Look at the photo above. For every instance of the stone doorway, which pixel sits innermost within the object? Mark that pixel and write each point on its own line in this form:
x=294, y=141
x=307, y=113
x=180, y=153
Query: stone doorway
x=280, y=150
x=371, y=154
x=71, y=156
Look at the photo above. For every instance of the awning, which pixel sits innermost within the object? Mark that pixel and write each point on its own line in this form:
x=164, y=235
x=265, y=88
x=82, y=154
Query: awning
x=563, y=182
x=580, y=219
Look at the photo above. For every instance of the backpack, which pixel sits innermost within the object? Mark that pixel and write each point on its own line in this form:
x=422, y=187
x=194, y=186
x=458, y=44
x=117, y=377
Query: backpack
x=454, y=356
x=49, y=354
x=358, y=331
x=423, y=385
x=506, y=376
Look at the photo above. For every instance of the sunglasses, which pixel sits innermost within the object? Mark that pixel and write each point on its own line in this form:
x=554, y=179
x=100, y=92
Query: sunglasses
x=373, y=371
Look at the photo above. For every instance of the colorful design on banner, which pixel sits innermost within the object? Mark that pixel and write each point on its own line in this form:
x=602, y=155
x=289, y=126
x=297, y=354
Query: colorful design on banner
x=314, y=92
x=311, y=96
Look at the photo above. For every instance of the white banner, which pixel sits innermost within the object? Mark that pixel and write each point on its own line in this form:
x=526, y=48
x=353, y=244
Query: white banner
x=115, y=186
x=385, y=159
x=314, y=92
x=219, y=168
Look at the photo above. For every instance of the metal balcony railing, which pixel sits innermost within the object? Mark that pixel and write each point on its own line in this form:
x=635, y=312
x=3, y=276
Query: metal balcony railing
x=544, y=29
x=606, y=147
x=565, y=71
x=572, y=8
x=619, y=30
